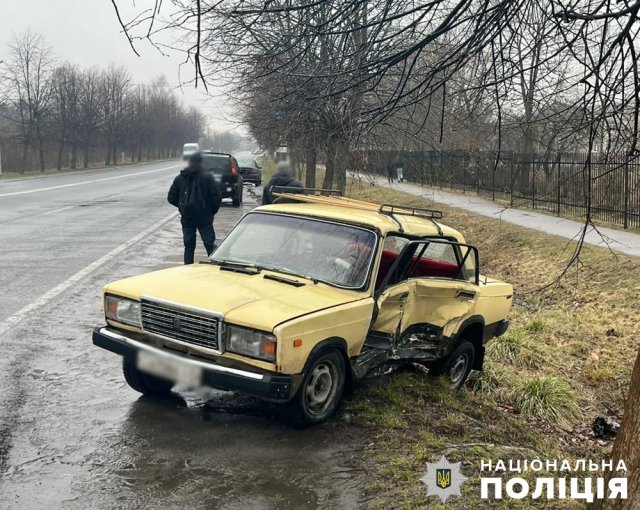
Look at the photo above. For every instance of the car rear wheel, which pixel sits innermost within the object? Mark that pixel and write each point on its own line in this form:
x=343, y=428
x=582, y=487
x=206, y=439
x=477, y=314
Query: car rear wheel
x=320, y=391
x=457, y=366
x=237, y=200
x=146, y=384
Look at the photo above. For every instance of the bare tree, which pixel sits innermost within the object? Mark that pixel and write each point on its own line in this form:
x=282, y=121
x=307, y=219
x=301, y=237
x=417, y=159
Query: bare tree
x=27, y=81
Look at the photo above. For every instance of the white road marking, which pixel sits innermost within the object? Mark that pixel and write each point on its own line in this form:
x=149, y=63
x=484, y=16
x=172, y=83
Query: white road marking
x=72, y=184
x=58, y=210
x=21, y=314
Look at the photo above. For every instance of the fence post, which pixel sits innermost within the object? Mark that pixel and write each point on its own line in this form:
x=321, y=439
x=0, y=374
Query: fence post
x=625, y=220
x=493, y=178
x=559, y=184
x=511, y=183
x=533, y=181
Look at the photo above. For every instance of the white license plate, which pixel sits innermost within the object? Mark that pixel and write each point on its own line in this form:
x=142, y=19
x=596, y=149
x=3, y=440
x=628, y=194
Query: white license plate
x=217, y=177
x=169, y=368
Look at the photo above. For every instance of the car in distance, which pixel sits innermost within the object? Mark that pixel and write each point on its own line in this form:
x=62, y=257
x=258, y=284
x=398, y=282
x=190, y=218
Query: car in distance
x=188, y=149
x=251, y=172
x=304, y=298
x=224, y=168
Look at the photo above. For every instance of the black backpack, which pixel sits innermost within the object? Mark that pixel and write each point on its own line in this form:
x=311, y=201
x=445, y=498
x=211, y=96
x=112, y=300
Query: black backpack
x=192, y=203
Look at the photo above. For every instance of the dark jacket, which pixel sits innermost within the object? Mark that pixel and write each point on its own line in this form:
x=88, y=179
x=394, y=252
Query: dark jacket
x=278, y=180
x=208, y=188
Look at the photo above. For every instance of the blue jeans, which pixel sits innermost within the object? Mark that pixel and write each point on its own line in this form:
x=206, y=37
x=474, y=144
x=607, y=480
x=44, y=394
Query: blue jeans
x=207, y=234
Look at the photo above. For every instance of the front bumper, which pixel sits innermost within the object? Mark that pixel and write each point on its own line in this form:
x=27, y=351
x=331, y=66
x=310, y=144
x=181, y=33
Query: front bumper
x=264, y=385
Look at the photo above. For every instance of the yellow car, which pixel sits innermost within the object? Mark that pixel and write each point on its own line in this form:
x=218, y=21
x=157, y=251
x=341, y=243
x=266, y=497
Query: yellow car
x=304, y=298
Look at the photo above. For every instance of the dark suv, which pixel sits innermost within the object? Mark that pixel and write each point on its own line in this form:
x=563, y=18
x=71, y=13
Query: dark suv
x=224, y=168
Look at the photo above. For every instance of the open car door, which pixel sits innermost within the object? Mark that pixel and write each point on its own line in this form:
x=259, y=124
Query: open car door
x=428, y=292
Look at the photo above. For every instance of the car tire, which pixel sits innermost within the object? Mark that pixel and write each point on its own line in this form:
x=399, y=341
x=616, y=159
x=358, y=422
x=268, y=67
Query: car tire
x=456, y=366
x=320, y=390
x=146, y=384
x=237, y=200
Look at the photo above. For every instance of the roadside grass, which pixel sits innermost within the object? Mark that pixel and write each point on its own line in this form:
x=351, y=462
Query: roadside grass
x=566, y=358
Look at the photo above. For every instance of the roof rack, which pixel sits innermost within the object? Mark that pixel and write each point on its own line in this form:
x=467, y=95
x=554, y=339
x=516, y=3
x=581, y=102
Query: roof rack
x=285, y=190
x=410, y=211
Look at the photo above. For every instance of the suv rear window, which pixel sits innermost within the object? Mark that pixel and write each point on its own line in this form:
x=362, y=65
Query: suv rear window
x=217, y=164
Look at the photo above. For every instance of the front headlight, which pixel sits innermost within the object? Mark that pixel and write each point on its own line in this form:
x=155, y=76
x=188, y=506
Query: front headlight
x=122, y=310
x=250, y=342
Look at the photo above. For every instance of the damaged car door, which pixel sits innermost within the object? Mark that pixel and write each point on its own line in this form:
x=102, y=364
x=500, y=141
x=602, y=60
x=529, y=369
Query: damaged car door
x=427, y=294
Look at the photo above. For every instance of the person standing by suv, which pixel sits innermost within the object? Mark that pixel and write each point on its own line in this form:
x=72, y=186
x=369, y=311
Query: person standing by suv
x=283, y=178
x=197, y=196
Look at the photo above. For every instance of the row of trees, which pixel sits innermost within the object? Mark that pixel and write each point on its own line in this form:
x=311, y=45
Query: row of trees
x=330, y=76
x=57, y=115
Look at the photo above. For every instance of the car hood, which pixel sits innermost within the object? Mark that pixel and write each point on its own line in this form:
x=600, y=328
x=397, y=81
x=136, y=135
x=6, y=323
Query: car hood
x=244, y=299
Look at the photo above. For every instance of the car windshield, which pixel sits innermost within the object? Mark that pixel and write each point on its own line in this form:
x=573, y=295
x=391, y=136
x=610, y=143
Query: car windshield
x=217, y=164
x=190, y=147
x=319, y=250
x=245, y=164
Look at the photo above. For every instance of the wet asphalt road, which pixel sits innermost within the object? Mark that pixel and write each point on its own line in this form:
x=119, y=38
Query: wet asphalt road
x=72, y=433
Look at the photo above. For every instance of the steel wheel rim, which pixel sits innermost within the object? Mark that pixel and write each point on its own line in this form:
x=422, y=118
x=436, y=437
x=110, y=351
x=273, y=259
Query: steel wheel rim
x=321, y=387
x=458, y=369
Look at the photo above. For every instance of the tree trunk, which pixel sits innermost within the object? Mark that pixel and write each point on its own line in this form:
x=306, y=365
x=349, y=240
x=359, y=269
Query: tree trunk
x=625, y=448
x=60, y=154
x=41, y=152
x=74, y=156
x=342, y=162
x=329, y=165
x=311, y=161
x=25, y=157
x=85, y=157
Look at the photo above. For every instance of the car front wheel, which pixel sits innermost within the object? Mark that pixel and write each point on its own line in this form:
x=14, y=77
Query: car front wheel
x=457, y=366
x=320, y=391
x=146, y=384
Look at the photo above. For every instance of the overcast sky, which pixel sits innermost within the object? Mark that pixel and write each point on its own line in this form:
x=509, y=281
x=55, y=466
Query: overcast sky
x=87, y=33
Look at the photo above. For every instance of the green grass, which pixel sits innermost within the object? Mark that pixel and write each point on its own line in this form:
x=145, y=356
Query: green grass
x=546, y=396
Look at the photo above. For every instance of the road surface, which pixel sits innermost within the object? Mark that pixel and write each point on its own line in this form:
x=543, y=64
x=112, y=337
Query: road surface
x=72, y=433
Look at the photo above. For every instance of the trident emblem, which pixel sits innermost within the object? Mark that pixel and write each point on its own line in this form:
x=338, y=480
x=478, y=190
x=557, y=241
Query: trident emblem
x=443, y=477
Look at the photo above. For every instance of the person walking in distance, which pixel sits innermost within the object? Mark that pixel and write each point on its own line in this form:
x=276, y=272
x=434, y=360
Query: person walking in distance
x=399, y=167
x=196, y=195
x=390, y=171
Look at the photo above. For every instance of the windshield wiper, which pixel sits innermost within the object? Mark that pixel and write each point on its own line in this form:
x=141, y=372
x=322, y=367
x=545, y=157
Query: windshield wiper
x=284, y=270
x=280, y=279
x=237, y=267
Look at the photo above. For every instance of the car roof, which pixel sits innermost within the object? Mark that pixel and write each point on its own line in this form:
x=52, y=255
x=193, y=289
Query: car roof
x=357, y=212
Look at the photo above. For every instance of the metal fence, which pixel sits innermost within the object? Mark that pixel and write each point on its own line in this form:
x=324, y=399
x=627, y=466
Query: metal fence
x=560, y=183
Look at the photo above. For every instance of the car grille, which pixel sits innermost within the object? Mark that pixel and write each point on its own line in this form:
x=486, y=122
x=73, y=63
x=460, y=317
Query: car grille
x=187, y=326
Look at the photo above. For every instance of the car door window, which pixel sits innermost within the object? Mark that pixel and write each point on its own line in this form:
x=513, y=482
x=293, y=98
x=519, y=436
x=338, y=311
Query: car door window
x=391, y=249
x=434, y=260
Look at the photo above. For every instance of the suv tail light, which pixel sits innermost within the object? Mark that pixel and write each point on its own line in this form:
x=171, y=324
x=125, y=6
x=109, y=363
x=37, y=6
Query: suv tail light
x=234, y=170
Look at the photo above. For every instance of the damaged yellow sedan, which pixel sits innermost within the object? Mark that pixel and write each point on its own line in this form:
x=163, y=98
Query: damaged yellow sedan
x=305, y=297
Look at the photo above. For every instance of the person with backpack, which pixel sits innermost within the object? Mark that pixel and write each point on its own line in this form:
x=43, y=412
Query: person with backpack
x=283, y=178
x=196, y=195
